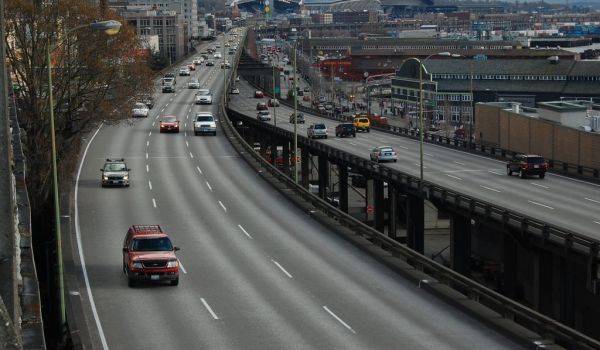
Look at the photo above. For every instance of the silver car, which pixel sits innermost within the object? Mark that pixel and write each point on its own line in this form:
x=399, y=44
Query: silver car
x=263, y=116
x=140, y=110
x=194, y=83
x=203, y=96
x=318, y=130
x=383, y=153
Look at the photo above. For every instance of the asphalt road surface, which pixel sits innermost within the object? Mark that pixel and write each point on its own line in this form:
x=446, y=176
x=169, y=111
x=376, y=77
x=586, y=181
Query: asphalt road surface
x=257, y=273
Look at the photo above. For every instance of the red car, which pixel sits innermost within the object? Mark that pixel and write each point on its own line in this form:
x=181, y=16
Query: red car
x=261, y=106
x=191, y=67
x=306, y=98
x=149, y=255
x=169, y=123
x=258, y=94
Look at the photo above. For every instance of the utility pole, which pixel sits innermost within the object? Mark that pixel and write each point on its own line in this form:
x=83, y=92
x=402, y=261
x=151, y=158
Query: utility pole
x=294, y=93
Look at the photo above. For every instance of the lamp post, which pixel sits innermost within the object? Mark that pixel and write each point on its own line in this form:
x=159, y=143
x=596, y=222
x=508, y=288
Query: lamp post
x=110, y=28
x=274, y=99
x=224, y=66
x=294, y=93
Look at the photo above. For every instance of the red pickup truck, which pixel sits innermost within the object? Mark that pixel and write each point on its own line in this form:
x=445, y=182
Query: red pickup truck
x=149, y=255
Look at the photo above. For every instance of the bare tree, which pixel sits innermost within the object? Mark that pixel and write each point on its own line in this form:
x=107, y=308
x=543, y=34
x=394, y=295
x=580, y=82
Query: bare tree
x=95, y=78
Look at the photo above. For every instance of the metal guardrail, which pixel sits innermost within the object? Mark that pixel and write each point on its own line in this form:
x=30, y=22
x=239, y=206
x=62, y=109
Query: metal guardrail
x=509, y=309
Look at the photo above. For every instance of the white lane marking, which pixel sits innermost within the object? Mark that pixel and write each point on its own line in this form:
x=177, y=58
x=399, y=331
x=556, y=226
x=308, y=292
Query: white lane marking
x=153, y=123
x=212, y=313
x=282, y=269
x=459, y=163
x=146, y=155
x=538, y=185
x=162, y=110
x=150, y=134
x=403, y=147
x=454, y=177
x=208, y=185
x=428, y=154
x=185, y=133
x=187, y=144
x=185, y=125
x=245, y=232
x=147, y=143
x=541, y=205
x=147, y=168
x=167, y=105
x=491, y=189
x=597, y=222
x=591, y=200
x=222, y=206
x=495, y=172
x=181, y=266
x=154, y=202
x=191, y=155
x=339, y=319
x=150, y=185
x=198, y=168
x=80, y=247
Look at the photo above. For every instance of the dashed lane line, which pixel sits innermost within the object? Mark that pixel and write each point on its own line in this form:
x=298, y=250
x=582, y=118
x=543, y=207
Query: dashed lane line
x=191, y=155
x=245, y=232
x=150, y=185
x=538, y=185
x=454, y=177
x=282, y=269
x=199, y=170
x=147, y=168
x=210, y=310
x=491, y=189
x=591, y=200
x=154, y=202
x=541, y=205
x=339, y=319
x=223, y=206
x=209, y=187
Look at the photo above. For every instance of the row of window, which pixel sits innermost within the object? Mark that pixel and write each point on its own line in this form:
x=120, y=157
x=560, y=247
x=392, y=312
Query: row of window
x=412, y=47
x=502, y=77
x=431, y=96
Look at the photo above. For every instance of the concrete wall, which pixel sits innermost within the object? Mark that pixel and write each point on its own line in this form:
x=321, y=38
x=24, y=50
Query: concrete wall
x=519, y=133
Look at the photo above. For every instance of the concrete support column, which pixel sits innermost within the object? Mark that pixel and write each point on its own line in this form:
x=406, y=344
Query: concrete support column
x=274, y=142
x=392, y=211
x=379, y=205
x=369, y=200
x=543, y=283
x=460, y=244
x=343, y=185
x=567, y=293
x=509, y=264
x=323, y=176
x=286, y=157
x=415, y=219
x=304, y=166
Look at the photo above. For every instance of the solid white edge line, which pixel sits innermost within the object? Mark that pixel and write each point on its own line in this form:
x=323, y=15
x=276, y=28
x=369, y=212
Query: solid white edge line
x=282, y=269
x=245, y=232
x=181, y=266
x=339, y=319
x=591, y=200
x=541, y=205
x=154, y=202
x=491, y=189
x=222, y=206
x=150, y=185
x=80, y=247
x=212, y=313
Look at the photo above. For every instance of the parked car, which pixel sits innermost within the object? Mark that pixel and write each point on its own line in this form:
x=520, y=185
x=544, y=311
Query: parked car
x=203, y=97
x=299, y=118
x=317, y=130
x=527, y=164
x=204, y=122
x=194, y=83
x=115, y=173
x=258, y=94
x=169, y=123
x=383, y=153
x=263, y=116
x=149, y=255
x=273, y=102
x=345, y=129
x=140, y=110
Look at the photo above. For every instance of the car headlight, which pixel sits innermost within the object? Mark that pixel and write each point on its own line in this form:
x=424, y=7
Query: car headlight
x=137, y=265
x=126, y=177
x=104, y=177
x=172, y=263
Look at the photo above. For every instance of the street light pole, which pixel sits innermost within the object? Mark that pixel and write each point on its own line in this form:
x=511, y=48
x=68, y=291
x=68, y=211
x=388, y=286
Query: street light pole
x=274, y=98
x=110, y=28
x=294, y=93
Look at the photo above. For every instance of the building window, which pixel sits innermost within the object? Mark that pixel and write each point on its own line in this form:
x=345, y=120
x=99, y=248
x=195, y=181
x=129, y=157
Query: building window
x=455, y=116
x=454, y=97
x=467, y=97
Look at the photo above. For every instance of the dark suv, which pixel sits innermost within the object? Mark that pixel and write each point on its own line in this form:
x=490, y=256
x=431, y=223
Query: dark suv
x=149, y=255
x=345, y=129
x=527, y=164
x=115, y=173
x=299, y=118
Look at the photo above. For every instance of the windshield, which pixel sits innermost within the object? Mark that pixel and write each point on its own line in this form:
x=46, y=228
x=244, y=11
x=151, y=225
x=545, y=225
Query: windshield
x=204, y=119
x=535, y=160
x=169, y=119
x=161, y=244
x=320, y=126
x=140, y=106
x=203, y=93
x=115, y=167
x=386, y=149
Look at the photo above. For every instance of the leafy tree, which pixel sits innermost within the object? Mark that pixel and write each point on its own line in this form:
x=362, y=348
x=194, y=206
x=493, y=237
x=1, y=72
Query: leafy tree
x=95, y=78
x=158, y=61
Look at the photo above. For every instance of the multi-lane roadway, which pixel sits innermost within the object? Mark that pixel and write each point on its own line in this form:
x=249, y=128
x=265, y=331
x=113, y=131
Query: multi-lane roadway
x=256, y=273
x=565, y=202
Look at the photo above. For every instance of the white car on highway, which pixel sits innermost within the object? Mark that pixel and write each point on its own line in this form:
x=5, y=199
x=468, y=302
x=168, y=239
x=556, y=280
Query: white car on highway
x=217, y=55
x=204, y=123
x=194, y=83
x=140, y=110
x=383, y=153
x=203, y=97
